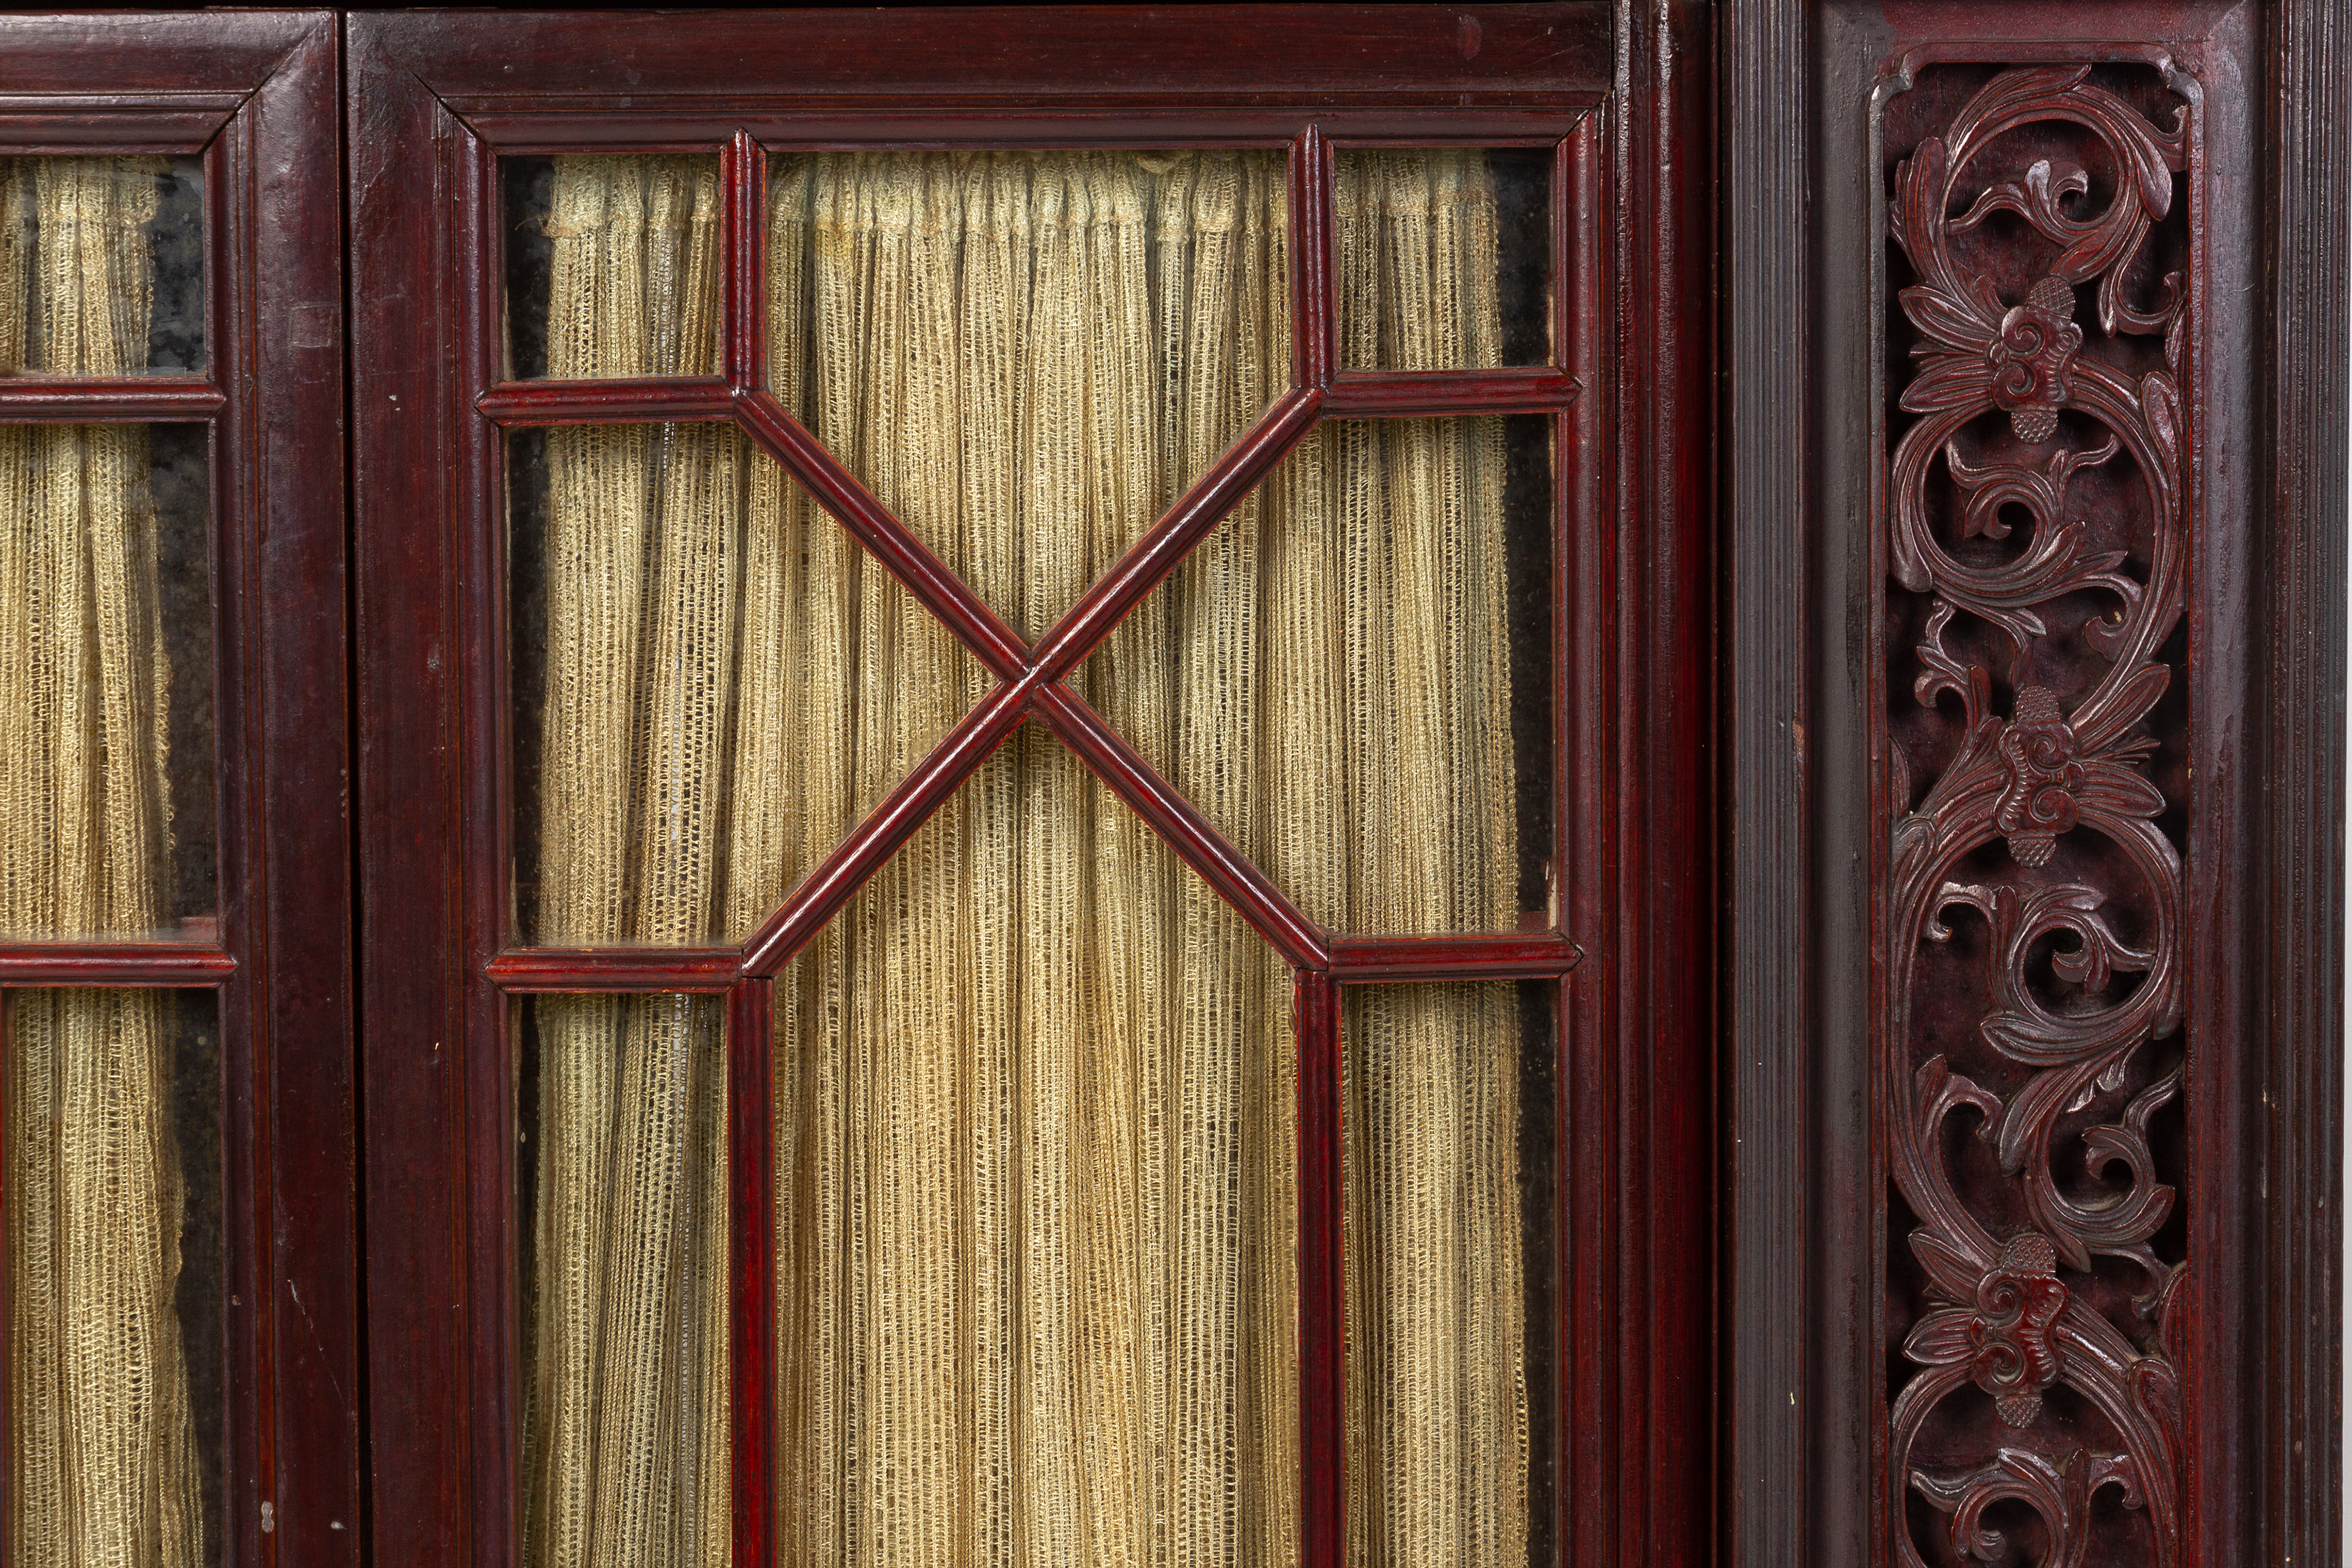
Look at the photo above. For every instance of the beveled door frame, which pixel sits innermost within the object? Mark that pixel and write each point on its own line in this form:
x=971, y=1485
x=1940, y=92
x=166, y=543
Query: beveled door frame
x=433, y=105
x=254, y=96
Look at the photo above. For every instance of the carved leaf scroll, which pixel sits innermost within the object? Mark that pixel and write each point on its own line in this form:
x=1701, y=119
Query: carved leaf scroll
x=2042, y=471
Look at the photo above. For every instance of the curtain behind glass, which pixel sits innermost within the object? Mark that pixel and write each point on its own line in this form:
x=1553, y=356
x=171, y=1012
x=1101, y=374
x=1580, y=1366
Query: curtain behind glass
x=1037, y=1214
x=625, y=1397
x=103, y=1468
x=1034, y=1096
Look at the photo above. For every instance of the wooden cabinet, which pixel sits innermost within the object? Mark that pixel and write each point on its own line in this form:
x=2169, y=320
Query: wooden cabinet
x=1254, y=784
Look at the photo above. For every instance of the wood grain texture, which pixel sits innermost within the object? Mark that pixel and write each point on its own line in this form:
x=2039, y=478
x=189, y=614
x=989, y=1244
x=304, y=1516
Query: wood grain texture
x=2299, y=882
x=1770, y=1276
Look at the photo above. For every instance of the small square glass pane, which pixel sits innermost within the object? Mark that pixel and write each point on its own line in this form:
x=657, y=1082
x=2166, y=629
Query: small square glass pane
x=115, y=1271
x=106, y=821
x=1444, y=258
x=101, y=267
x=622, y=1173
x=612, y=266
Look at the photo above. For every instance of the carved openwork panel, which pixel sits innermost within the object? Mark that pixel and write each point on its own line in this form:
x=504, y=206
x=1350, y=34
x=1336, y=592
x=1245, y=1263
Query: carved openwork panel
x=2033, y=791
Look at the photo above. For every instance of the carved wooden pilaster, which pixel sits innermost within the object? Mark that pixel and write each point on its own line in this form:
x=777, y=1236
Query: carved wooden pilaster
x=2031, y=785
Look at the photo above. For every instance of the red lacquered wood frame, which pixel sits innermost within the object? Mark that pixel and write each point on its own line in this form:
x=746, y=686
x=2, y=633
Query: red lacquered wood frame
x=438, y=98
x=254, y=95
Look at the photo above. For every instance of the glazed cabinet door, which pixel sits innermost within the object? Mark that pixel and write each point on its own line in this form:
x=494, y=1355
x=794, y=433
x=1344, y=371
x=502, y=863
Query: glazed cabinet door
x=177, y=1264
x=1033, y=710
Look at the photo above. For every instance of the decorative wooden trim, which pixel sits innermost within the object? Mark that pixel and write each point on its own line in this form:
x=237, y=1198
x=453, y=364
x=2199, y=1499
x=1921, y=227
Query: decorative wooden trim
x=1536, y=955
x=1166, y=542
x=115, y=964
x=975, y=624
x=1770, y=1275
x=2297, y=892
x=2014, y=1301
x=1424, y=394
x=1322, y=1276
x=2262, y=400
x=1178, y=822
x=806, y=909
x=520, y=404
x=144, y=399
x=526, y=970
x=751, y=1286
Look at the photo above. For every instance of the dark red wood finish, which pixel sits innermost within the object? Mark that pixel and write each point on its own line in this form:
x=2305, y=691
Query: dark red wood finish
x=256, y=95
x=1322, y=1270
x=2249, y=760
x=437, y=100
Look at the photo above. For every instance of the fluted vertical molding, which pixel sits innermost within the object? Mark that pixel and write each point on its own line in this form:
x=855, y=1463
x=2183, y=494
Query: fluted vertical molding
x=2299, y=895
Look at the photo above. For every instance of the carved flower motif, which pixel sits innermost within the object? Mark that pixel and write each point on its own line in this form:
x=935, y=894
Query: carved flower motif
x=2038, y=802
x=2038, y=342
x=1977, y=351
x=2005, y=1338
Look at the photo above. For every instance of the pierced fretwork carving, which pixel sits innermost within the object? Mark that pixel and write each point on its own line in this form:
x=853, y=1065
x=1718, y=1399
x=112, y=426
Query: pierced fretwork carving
x=2032, y=915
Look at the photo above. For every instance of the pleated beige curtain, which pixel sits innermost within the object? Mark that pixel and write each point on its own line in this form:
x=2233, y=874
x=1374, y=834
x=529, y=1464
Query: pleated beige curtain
x=625, y=1404
x=1037, y=1227
x=102, y=1463
x=1035, y=1085
x=1387, y=605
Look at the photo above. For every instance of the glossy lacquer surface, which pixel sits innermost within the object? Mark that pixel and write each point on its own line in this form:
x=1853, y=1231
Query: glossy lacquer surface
x=442, y=133
x=242, y=402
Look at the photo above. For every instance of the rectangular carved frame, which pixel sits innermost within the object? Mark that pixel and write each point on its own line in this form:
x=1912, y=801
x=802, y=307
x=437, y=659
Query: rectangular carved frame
x=254, y=96
x=1812, y=1345
x=438, y=98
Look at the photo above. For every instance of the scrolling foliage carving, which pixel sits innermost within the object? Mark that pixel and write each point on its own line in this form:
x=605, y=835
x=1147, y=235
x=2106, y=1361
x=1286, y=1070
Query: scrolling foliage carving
x=2030, y=925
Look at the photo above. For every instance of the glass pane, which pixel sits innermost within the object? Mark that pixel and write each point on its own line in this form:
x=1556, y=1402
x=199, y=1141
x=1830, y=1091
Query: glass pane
x=623, y=1176
x=1444, y=258
x=1035, y=1096
x=1027, y=356
x=1351, y=676
x=114, y=1277
x=1450, y=1153
x=101, y=267
x=107, y=824
x=612, y=266
x=712, y=684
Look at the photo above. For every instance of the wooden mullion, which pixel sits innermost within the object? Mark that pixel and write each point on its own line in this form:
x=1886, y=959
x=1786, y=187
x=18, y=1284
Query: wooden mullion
x=752, y=1255
x=805, y=911
x=112, y=400
x=1533, y=955
x=524, y=971
x=1419, y=393
x=115, y=964
x=745, y=171
x=905, y=557
x=516, y=404
x=1183, y=525
x=1177, y=820
x=1322, y=1276
x=1314, y=304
